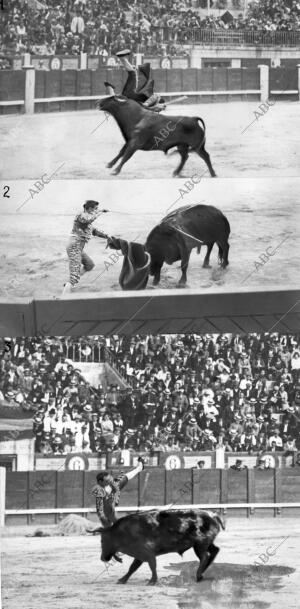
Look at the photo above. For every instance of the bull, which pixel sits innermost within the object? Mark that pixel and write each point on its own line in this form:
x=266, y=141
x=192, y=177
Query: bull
x=182, y=230
x=145, y=130
x=145, y=535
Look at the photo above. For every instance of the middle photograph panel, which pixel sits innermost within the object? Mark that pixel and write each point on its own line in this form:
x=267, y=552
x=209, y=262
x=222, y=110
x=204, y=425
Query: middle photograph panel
x=85, y=236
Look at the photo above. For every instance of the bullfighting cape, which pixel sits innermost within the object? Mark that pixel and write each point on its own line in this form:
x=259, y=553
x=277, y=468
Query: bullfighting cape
x=136, y=264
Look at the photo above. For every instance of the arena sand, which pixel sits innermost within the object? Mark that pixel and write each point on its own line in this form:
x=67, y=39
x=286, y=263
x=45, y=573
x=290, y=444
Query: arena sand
x=84, y=141
x=66, y=573
x=263, y=214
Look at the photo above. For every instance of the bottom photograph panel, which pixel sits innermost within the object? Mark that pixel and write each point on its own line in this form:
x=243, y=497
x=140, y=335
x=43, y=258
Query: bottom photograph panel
x=171, y=459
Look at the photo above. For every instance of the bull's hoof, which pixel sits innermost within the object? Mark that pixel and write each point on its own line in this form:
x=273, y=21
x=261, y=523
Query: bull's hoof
x=199, y=578
x=109, y=165
x=152, y=582
x=206, y=266
x=122, y=580
x=181, y=284
x=116, y=172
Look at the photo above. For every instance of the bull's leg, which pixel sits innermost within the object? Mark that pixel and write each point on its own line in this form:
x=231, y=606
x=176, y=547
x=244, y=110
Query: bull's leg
x=133, y=567
x=183, y=151
x=223, y=254
x=156, y=273
x=130, y=150
x=206, y=158
x=185, y=257
x=152, y=565
x=203, y=556
x=213, y=551
x=113, y=162
x=206, y=264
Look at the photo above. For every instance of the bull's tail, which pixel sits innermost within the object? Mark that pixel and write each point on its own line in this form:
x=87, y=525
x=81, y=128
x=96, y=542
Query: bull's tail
x=220, y=520
x=203, y=123
x=227, y=224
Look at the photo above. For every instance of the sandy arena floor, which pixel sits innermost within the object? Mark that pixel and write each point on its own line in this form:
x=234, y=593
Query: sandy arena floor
x=33, y=145
x=66, y=573
x=263, y=214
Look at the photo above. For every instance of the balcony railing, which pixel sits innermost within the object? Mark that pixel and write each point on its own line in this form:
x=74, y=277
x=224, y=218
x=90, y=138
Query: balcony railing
x=227, y=37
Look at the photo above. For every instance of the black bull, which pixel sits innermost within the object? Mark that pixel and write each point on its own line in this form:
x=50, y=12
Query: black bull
x=182, y=230
x=144, y=130
x=147, y=535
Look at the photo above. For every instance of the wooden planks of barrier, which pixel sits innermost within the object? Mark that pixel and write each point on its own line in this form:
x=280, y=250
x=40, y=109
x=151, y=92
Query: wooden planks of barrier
x=155, y=311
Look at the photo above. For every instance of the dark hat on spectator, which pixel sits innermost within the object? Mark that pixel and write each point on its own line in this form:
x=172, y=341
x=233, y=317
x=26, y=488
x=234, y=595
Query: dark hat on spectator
x=57, y=440
x=253, y=400
x=196, y=400
x=233, y=431
x=249, y=416
x=260, y=418
x=264, y=400
x=193, y=420
x=38, y=419
x=210, y=402
x=167, y=391
x=130, y=432
x=10, y=394
x=207, y=432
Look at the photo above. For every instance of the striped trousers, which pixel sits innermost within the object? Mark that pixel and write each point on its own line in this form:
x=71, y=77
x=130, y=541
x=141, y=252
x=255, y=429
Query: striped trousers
x=77, y=257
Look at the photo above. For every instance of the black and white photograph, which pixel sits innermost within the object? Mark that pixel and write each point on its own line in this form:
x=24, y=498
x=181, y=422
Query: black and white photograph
x=149, y=303
x=173, y=459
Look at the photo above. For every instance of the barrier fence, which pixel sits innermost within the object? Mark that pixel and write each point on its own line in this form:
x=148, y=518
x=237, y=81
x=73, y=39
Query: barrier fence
x=31, y=90
x=44, y=497
x=148, y=311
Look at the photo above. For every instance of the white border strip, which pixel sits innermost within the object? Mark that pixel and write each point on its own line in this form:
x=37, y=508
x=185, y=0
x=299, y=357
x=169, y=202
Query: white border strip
x=204, y=506
x=17, y=102
x=47, y=100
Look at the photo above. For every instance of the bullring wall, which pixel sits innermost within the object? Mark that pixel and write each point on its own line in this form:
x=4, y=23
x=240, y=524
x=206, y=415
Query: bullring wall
x=69, y=490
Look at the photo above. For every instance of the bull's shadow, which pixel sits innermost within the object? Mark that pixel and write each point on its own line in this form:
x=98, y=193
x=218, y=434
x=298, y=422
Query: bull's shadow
x=225, y=585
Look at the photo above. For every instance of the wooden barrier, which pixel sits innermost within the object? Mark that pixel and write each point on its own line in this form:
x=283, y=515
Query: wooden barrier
x=74, y=89
x=212, y=311
x=46, y=496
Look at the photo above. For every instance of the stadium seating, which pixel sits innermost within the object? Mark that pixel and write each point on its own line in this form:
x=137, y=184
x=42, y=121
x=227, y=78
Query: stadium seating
x=184, y=392
x=101, y=28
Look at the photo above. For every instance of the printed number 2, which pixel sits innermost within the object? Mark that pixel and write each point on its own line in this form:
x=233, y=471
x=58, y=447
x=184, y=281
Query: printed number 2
x=6, y=191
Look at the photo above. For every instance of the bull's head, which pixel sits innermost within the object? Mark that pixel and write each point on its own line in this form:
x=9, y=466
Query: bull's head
x=108, y=104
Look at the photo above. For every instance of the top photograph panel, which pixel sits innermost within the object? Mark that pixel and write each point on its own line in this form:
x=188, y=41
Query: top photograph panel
x=88, y=87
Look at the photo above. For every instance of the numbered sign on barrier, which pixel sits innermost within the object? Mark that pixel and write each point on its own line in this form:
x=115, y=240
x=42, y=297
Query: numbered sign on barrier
x=173, y=462
x=76, y=461
x=55, y=63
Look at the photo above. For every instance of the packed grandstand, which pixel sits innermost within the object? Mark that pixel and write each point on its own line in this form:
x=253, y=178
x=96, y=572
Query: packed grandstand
x=177, y=392
x=101, y=28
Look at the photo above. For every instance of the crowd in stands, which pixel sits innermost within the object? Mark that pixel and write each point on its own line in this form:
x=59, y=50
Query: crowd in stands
x=103, y=27
x=181, y=393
